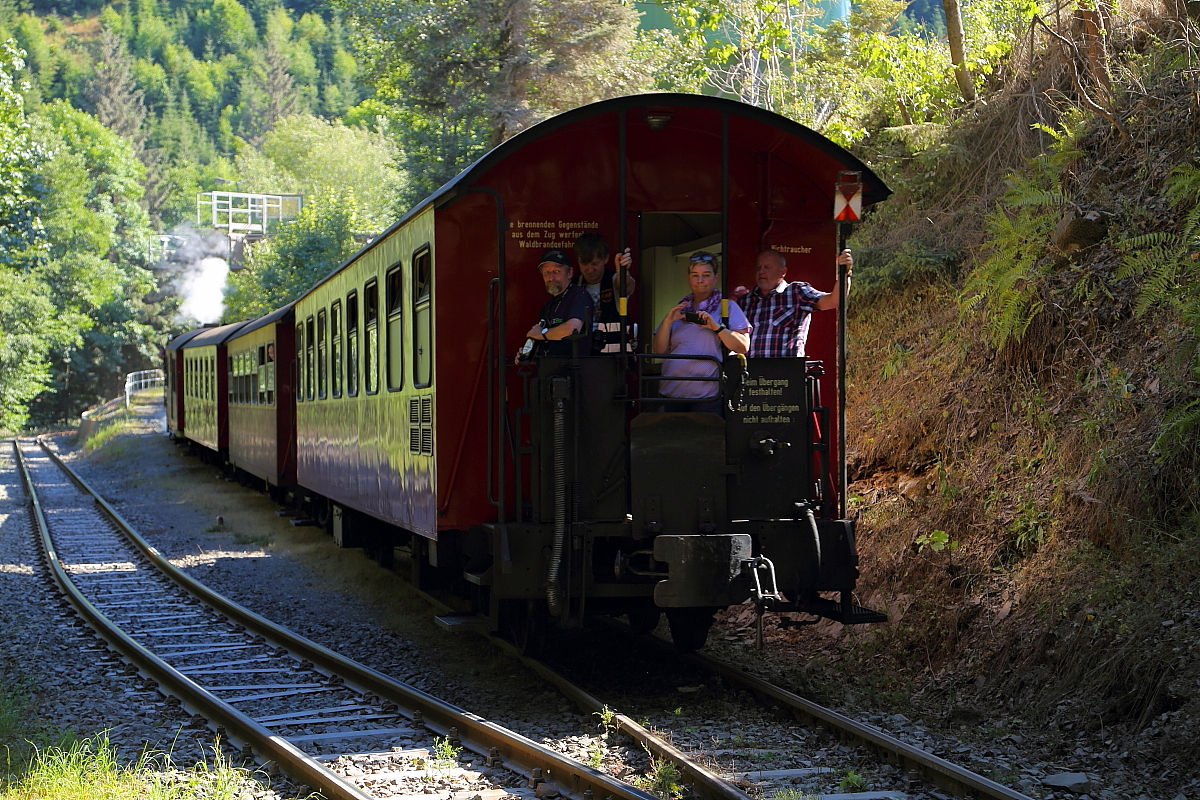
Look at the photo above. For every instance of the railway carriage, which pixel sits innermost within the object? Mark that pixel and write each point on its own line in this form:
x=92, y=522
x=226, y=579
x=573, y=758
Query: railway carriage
x=549, y=492
x=173, y=390
x=204, y=385
x=261, y=406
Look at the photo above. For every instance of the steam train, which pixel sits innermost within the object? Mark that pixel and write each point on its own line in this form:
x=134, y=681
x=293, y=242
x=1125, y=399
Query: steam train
x=387, y=401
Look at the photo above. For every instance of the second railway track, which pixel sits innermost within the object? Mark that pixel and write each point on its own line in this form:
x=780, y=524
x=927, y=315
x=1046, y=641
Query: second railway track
x=346, y=730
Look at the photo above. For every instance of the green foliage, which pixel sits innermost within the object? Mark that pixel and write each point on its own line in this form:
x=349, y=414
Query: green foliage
x=792, y=793
x=1167, y=267
x=608, y=719
x=90, y=769
x=852, y=782
x=937, y=541
x=1006, y=288
x=897, y=356
x=280, y=269
x=661, y=780
x=25, y=343
x=838, y=76
x=463, y=77
x=1030, y=527
x=444, y=754
x=22, y=236
x=314, y=157
x=95, y=279
x=1167, y=263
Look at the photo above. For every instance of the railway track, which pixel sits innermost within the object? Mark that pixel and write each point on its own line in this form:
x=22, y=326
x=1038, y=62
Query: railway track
x=344, y=729
x=290, y=701
x=923, y=771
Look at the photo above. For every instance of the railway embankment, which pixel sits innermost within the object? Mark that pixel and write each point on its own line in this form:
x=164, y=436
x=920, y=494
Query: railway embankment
x=1022, y=431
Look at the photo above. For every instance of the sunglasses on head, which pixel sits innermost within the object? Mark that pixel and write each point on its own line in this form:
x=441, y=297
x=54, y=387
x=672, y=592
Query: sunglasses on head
x=705, y=259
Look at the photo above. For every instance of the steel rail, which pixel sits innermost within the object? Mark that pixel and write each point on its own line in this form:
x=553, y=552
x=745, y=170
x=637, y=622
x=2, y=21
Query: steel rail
x=192, y=696
x=704, y=784
x=938, y=771
x=935, y=769
x=518, y=753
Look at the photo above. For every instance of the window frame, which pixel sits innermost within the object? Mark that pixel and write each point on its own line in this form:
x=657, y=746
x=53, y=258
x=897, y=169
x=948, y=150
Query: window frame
x=422, y=296
x=371, y=326
x=335, y=348
x=353, y=345
x=394, y=312
x=322, y=354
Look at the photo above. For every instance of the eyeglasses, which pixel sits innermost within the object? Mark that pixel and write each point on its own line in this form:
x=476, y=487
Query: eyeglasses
x=708, y=259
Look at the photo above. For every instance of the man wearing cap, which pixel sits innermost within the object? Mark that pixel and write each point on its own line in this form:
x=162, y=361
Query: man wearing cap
x=602, y=285
x=567, y=312
x=781, y=311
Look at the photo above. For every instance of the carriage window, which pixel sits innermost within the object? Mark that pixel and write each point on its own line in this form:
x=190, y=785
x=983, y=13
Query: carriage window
x=299, y=373
x=395, y=336
x=371, y=323
x=267, y=382
x=422, y=268
x=310, y=357
x=352, y=344
x=335, y=334
x=322, y=355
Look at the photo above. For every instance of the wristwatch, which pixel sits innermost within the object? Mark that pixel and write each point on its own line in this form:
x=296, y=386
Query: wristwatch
x=544, y=332
x=719, y=329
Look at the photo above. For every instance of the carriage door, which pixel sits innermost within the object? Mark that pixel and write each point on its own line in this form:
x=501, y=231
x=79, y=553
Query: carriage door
x=677, y=461
x=666, y=241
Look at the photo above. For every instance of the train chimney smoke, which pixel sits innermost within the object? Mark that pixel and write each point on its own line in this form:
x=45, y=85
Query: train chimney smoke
x=200, y=266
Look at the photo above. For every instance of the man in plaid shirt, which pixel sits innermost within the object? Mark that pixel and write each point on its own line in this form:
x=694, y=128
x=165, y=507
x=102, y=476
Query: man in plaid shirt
x=779, y=311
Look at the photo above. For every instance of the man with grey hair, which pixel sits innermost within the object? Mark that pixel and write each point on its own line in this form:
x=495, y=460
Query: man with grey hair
x=778, y=311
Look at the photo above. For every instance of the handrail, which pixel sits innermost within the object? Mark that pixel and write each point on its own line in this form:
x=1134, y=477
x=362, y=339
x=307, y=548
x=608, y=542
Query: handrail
x=642, y=376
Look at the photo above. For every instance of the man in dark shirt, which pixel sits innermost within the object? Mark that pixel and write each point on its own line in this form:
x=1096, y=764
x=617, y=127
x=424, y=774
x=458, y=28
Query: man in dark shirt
x=603, y=286
x=567, y=312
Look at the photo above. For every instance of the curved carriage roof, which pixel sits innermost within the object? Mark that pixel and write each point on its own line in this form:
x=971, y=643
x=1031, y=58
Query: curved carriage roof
x=264, y=321
x=213, y=336
x=874, y=189
x=183, y=338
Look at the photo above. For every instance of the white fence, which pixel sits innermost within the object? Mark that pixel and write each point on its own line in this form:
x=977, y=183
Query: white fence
x=134, y=382
x=145, y=379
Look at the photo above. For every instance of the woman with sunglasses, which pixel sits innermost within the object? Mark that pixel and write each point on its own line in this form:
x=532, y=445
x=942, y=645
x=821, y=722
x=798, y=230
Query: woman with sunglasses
x=693, y=328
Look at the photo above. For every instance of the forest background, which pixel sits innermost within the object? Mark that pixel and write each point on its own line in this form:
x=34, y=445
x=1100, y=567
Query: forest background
x=114, y=117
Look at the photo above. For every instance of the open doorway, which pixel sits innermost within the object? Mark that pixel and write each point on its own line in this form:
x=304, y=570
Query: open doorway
x=667, y=240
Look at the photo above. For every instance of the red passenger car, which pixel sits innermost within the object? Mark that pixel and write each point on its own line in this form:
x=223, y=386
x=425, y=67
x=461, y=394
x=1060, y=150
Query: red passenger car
x=554, y=491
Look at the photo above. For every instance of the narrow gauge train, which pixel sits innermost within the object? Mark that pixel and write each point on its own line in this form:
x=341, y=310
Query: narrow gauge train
x=554, y=490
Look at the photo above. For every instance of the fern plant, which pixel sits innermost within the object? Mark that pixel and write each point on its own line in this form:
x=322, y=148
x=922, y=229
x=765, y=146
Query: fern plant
x=1004, y=287
x=1168, y=265
x=1166, y=261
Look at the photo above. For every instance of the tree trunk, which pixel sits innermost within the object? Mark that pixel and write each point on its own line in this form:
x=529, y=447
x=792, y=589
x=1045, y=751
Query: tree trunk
x=958, y=51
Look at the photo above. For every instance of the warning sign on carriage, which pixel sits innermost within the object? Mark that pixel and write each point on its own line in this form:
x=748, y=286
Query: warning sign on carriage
x=847, y=200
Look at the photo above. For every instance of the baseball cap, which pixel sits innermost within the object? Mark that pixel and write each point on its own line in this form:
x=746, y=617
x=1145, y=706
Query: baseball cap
x=555, y=256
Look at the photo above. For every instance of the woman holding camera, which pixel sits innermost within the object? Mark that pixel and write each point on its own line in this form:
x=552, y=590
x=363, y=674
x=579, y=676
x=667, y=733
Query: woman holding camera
x=694, y=328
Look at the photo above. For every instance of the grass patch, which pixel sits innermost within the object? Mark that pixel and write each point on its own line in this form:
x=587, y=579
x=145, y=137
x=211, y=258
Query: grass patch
x=89, y=769
x=263, y=540
x=106, y=435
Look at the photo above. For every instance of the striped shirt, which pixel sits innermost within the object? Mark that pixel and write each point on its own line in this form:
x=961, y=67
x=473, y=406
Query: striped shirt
x=780, y=320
